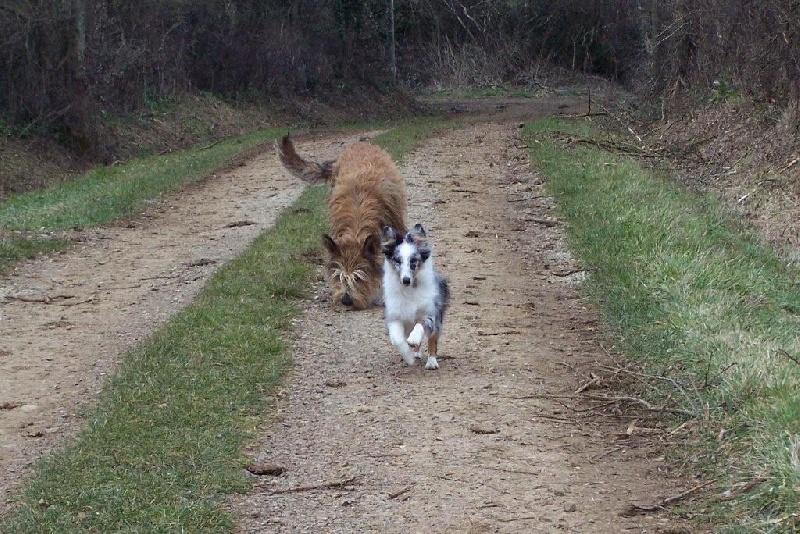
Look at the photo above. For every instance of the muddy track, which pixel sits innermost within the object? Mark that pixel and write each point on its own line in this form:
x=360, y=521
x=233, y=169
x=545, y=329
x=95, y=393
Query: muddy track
x=494, y=441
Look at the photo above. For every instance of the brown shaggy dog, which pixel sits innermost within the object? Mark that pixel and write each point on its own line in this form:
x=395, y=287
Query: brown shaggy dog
x=367, y=193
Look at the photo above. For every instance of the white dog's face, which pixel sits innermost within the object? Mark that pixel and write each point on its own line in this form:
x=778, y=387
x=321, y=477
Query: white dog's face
x=406, y=254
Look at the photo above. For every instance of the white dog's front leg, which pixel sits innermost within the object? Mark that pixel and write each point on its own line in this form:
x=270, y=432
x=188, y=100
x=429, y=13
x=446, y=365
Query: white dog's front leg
x=415, y=337
x=397, y=335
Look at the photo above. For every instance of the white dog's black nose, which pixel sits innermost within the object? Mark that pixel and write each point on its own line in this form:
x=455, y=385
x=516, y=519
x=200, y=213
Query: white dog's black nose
x=406, y=280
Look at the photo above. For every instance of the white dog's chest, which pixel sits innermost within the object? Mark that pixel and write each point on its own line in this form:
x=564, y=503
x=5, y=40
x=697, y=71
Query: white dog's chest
x=407, y=304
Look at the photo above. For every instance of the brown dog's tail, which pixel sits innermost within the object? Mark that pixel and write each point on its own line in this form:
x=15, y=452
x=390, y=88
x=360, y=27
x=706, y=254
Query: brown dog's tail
x=308, y=171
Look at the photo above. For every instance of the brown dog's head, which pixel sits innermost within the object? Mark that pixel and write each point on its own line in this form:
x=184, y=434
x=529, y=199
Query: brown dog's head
x=354, y=269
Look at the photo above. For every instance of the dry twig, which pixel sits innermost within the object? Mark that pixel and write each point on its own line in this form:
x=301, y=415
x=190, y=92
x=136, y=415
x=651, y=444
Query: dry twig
x=506, y=333
x=612, y=450
x=635, y=509
x=42, y=300
x=514, y=471
x=786, y=167
x=521, y=518
x=398, y=493
x=314, y=487
x=594, y=380
x=783, y=352
x=644, y=403
x=732, y=493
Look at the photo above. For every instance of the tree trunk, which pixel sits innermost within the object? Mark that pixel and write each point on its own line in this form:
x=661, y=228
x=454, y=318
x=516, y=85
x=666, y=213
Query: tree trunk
x=392, y=54
x=79, y=43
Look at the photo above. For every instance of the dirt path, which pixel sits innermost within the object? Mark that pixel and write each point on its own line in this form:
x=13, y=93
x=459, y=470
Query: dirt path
x=489, y=443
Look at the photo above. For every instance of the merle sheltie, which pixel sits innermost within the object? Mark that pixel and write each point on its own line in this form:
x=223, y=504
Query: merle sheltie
x=414, y=294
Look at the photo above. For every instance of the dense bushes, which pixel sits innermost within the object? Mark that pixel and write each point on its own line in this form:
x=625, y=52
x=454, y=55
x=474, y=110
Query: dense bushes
x=63, y=62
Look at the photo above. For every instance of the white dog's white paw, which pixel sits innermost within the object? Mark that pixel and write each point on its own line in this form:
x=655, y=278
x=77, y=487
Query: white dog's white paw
x=431, y=364
x=414, y=339
x=410, y=358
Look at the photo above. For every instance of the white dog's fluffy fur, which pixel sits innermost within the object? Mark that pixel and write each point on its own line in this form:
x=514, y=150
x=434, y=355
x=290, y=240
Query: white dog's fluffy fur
x=415, y=295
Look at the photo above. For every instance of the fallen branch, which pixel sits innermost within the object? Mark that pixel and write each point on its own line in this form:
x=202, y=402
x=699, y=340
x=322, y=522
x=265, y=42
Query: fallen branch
x=732, y=493
x=595, y=407
x=606, y=453
x=635, y=509
x=506, y=333
x=555, y=419
x=568, y=272
x=609, y=146
x=744, y=197
x=617, y=370
x=521, y=518
x=783, y=352
x=523, y=199
x=543, y=222
x=786, y=167
x=627, y=126
x=594, y=380
x=644, y=403
x=42, y=300
x=215, y=143
x=514, y=471
x=327, y=485
x=398, y=493
x=236, y=224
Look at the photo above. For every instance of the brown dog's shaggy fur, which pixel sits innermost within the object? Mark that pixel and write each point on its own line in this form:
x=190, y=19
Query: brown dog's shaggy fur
x=367, y=193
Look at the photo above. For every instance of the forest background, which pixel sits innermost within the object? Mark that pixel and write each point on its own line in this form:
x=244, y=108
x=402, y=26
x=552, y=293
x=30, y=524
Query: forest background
x=74, y=74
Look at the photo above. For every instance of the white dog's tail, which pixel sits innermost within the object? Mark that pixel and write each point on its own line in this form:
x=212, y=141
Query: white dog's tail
x=308, y=171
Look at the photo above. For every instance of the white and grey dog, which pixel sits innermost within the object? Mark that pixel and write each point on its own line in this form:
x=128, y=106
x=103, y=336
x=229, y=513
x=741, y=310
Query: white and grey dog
x=414, y=294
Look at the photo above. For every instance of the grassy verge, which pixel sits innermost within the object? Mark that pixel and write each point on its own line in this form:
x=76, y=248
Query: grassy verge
x=106, y=194
x=401, y=140
x=161, y=449
x=702, y=306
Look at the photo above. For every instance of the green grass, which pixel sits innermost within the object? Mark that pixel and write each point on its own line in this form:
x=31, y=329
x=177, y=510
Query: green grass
x=107, y=194
x=162, y=447
x=691, y=294
x=410, y=134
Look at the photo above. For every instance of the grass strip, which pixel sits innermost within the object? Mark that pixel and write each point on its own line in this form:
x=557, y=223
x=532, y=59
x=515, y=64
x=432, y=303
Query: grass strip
x=404, y=138
x=691, y=294
x=28, y=221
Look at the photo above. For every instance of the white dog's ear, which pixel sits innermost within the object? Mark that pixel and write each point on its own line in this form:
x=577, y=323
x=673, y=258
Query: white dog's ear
x=417, y=236
x=388, y=234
